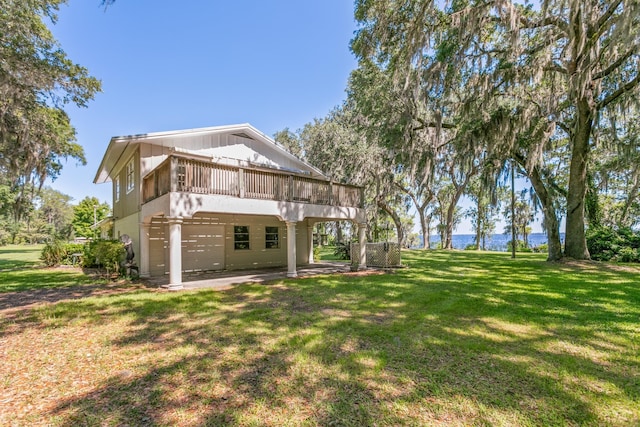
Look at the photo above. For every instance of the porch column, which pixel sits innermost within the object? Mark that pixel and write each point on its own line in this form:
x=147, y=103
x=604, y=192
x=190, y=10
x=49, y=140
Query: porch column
x=175, y=253
x=144, y=249
x=291, y=249
x=362, y=238
x=310, y=239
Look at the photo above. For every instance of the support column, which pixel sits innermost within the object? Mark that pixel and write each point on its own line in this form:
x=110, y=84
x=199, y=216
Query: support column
x=175, y=253
x=144, y=249
x=310, y=239
x=362, y=237
x=291, y=249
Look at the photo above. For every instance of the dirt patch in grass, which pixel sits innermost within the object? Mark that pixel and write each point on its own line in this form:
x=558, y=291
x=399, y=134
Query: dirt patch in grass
x=364, y=273
x=589, y=265
x=10, y=301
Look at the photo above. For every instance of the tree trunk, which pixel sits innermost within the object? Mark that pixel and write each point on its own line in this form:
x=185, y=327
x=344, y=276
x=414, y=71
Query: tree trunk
x=576, y=242
x=479, y=217
x=550, y=218
x=425, y=229
x=450, y=212
x=396, y=219
x=448, y=235
x=631, y=196
x=427, y=234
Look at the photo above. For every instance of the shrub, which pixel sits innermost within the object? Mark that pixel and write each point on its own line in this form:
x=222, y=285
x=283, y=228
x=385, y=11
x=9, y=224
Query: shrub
x=70, y=249
x=520, y=246
x=607, y=243
x=343, y=250
x=541, y=248
x=108, y=254
x=627, y=254
x=53, y=253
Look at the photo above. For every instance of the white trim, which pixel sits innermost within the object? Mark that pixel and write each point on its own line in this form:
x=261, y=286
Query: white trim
x=131, y=176
x=118, y=146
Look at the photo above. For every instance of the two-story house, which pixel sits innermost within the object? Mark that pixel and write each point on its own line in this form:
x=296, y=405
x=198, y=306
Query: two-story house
x=225, y=197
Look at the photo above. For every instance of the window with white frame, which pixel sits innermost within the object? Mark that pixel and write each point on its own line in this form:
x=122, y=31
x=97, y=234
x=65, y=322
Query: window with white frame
x=131, y=177
x=117, y=188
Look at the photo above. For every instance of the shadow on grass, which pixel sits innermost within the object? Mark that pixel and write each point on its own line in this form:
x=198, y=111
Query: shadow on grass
x=456, y=339
x=21, y=288
x=14, y=257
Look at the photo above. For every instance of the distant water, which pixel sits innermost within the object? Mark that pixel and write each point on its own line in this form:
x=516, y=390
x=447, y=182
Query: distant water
x=497, y=242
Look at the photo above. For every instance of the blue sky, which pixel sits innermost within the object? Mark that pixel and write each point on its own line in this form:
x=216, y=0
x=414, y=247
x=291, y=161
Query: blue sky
x=168, y=65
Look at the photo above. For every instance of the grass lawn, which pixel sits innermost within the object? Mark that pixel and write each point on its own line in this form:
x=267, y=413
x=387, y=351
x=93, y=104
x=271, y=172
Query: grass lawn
x=20, y=256
x=458, y=338
x=18, y=272
x=328, y=253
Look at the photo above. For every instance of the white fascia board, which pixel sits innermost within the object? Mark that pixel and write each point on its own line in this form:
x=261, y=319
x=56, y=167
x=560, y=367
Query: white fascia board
x=118, y=144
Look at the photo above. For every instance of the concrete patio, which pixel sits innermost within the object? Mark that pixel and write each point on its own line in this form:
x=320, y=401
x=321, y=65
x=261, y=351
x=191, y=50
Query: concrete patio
x=221, y=280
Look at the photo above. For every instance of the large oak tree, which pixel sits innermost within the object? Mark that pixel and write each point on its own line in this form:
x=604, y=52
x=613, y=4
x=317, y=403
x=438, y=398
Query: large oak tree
x=37, y=81
x=550, y=73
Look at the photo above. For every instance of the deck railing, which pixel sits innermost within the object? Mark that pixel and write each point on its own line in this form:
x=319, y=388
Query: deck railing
x=193, y=176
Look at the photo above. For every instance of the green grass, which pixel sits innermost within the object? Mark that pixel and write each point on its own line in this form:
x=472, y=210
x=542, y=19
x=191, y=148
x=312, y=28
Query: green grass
x=327, y=253
x=20, y=256
x=18, y=272
x=457, y=338
x=30, y=280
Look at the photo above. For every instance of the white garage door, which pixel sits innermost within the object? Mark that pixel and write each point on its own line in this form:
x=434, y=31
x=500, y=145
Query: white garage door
x=202, y=247
x=158, y=250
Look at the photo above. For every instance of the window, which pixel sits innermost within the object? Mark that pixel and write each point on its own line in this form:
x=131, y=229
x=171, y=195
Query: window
x=131, y=178
x=117, y=185
x=271, y=240
x=241, y=237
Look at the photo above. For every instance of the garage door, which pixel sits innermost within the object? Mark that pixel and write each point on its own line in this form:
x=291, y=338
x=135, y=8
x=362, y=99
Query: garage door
x=202, y=247
x=158, y=249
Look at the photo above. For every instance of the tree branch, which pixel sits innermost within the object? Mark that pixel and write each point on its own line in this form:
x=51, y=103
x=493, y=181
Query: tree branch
x=618, y=93
x=605, y=17
x=425, y=124
x=556, y=68
x=611, y=68
x=546, y=21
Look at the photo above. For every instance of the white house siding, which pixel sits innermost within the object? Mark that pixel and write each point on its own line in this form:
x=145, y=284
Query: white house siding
x=208, y=244
x=225, y=146
x=128, y=202
x=129, y=225
x=151, y=156
x=258, y=255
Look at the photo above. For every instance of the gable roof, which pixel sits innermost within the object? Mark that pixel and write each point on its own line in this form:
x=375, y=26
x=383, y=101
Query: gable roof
x=119, y=146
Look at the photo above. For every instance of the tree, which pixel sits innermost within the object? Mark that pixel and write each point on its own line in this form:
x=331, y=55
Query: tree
x=290, y=142
x=55, y=213
x=86, y=214
x=560, y=67
x=337, y=145
x=523, y=216
x=484, y=214
x=37, y=80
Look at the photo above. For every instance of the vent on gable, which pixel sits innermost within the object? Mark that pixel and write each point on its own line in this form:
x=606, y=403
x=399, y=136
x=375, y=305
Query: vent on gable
x=242, y=135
